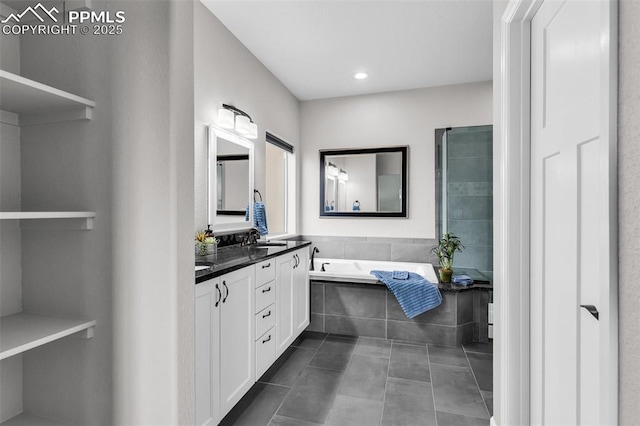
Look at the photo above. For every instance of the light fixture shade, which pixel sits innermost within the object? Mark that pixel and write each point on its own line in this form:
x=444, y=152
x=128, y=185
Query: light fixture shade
x=242, y=125
x=226, y=118
x=343, y=175
x=332, y=169
x=253, y=131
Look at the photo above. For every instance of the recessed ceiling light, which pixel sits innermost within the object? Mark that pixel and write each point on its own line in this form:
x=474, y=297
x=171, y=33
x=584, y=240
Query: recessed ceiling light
x=360, y=75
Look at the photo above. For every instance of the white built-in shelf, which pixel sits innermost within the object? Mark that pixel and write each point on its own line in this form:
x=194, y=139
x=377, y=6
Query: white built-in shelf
x=22, y=332
x=26, y=419
x=31, y=102
x=85, y=219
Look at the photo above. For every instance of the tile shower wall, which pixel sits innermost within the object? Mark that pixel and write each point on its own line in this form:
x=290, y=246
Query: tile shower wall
x=470, y=194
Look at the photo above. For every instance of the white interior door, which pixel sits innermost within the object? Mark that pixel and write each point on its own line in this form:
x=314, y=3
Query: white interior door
x=572, y=191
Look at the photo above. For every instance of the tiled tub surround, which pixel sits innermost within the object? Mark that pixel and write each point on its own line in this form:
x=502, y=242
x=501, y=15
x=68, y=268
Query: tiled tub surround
x=373, y=248
x=370, y=310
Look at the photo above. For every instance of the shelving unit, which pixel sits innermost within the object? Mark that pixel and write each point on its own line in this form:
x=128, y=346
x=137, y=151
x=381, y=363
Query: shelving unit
x=26, y=419
x=21, y=332
x=31, y=102
x=85, y=218
x=25, y=102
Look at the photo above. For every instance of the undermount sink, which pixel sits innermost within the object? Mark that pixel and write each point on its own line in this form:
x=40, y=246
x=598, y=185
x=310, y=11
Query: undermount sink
x=270, y=244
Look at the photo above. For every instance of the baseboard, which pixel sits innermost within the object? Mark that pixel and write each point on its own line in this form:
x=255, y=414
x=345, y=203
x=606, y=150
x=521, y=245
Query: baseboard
x=492, y=421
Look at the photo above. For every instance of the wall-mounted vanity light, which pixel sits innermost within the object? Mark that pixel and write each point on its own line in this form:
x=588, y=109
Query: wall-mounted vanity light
x=343, y=175
x=230, y=117
x=332, y=170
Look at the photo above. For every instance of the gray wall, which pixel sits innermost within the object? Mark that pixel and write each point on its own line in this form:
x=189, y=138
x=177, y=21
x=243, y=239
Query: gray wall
x=628, y=207
x=386, y=119
x=226, y=72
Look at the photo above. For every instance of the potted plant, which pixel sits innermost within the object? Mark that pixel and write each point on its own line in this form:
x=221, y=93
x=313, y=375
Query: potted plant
x=445, y=250
x=205, y=243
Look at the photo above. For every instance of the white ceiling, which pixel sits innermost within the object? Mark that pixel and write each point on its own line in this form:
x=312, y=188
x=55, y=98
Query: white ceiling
x=315, y=46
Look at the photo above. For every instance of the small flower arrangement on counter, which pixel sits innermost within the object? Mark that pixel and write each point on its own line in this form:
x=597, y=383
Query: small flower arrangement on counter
x=206, y=243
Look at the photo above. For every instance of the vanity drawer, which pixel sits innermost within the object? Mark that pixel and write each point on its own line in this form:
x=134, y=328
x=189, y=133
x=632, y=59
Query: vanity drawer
x=265, y=271
x=265, y=295
x=265, y=351
x=265, y=319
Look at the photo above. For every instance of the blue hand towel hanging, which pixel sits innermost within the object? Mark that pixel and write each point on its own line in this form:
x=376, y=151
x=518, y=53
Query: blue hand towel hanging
x=259, y=217
x=259, y=214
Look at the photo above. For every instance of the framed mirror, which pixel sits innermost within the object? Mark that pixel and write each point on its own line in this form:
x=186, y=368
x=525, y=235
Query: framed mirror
x=230, y=180
x=370, y=182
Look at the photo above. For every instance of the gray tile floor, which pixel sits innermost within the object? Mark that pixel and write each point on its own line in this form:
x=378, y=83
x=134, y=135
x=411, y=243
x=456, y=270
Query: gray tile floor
x=348, y=381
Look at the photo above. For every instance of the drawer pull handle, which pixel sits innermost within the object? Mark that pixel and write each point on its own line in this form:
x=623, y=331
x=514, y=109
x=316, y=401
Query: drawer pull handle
x=224, y=284
x=219, y=295
x=268, y=314
x=266, y=289
x=267, y=339
x=266, y=266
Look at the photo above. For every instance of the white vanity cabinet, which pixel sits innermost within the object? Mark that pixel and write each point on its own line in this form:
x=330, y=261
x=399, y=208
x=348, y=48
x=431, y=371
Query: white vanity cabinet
x=266, y=313
x=244, y=321
x=225, y=335
x=292, y=297
x=301, y=292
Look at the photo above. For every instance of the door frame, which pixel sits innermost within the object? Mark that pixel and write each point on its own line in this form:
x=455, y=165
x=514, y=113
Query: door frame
x=512, y=187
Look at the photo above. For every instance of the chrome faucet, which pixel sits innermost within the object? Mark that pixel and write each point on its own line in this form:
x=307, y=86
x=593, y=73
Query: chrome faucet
x=313, y=253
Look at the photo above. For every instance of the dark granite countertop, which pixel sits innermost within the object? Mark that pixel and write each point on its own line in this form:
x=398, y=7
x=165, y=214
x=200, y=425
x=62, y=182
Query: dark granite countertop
x=231, y=258
x=480, y=281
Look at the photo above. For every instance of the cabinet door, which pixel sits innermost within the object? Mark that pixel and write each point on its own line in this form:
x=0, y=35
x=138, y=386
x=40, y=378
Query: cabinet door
x=284, y=302
x=207, y=353
x=236, y=336
x=301, y=292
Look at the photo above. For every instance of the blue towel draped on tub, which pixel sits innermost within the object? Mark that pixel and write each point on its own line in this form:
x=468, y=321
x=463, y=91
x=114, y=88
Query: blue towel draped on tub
x=415, y=294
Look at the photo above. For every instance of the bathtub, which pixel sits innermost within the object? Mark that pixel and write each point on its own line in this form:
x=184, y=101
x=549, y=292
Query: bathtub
x=358, y=271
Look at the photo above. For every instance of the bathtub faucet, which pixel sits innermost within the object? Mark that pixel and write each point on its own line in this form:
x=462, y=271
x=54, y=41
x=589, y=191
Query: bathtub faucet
x=313, y=253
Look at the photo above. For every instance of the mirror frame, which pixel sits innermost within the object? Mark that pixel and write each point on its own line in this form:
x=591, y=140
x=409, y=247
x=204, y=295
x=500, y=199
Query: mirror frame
x=404, y=150
x=214, y=134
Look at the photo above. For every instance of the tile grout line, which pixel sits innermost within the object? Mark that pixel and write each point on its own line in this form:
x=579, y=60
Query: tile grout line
x=433, y=389
x=386, y=381
x=486, y=407
x=297, y=379
x=324, y=309
x=342, y=378
x=386, y=322
x=394, y=320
